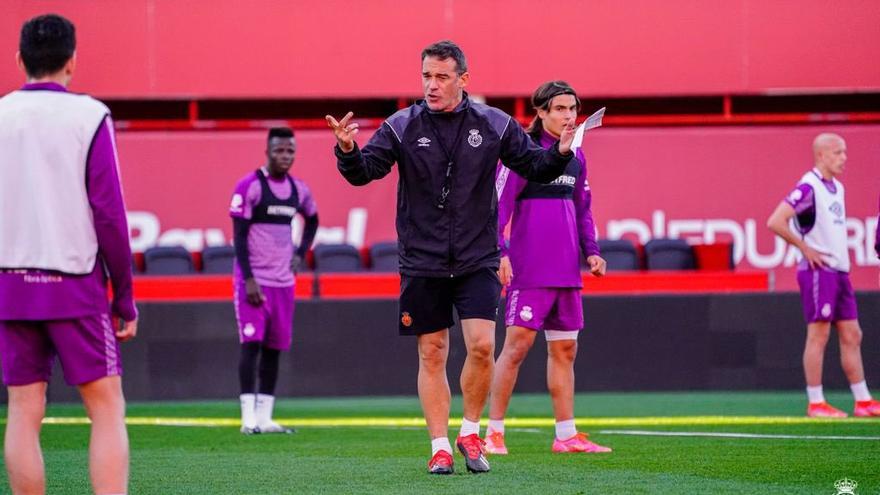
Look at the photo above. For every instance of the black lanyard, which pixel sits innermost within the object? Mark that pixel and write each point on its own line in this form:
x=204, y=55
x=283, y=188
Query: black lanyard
x=447, y=181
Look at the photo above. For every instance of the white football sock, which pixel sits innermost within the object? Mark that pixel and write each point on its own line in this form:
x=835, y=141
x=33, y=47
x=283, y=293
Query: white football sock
x=565, y=429
x=469, y=427
x=860, y=391
x=441, y=443
x=815, y=395
x=265, y=404
x=495, y=425
x=248, y=414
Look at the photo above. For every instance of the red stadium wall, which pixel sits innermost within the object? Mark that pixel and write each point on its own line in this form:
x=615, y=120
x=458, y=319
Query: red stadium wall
x=705, y=184
x=342, y=49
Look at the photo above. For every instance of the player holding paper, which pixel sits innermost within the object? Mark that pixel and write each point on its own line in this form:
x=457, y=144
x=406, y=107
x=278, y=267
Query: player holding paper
x=552, y=225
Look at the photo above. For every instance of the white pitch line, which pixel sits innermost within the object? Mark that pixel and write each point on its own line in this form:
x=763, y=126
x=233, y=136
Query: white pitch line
x=649, y=433
x=419, y=422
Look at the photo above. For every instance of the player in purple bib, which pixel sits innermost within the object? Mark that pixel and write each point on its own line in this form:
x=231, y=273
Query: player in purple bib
x=63, y=233
x=263, y=207
x=552, y=224
x=813, y=219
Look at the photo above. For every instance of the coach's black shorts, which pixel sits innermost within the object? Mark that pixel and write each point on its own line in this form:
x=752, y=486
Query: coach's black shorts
x=426, y=303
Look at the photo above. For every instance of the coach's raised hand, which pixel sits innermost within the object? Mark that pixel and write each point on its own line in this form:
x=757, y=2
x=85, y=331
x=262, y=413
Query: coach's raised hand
x=345, y=132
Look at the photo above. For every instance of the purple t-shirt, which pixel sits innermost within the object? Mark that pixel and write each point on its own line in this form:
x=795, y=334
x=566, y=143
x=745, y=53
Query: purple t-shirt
x=270, y=246
x=803, y=200
x=547, y=235
x=50, y=295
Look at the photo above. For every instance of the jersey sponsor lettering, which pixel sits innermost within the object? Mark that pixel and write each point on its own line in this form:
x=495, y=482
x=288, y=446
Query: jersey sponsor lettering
x=564, y=180
x=281, y=210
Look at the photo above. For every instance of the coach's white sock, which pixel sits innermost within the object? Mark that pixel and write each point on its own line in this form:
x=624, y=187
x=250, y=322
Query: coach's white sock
x=439, y=444
x=565, y=429
x=495, y=425
x=860, y=391
x=815, y=395
x=469, y=427
x=248, y=414
x=265, y=403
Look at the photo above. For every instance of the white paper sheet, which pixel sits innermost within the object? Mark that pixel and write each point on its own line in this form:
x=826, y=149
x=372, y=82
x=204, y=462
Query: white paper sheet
x=592, y=122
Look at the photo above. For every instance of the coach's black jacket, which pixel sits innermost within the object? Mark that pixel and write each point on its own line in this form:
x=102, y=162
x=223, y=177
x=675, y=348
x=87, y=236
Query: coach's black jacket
x=462, y=236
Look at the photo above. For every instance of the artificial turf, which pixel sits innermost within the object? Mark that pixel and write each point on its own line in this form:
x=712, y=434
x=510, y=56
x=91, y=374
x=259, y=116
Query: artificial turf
x=378, y=445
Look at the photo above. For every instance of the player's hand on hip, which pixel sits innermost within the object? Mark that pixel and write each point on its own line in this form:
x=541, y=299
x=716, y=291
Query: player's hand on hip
x=254, y=295
x=127, y=330
x=505, y=271
x=566, y=139
x=344, y=131
x=597, y=265
x=814, y=257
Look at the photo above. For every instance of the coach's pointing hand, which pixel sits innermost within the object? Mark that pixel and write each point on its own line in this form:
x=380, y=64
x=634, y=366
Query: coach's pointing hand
x=344, y=131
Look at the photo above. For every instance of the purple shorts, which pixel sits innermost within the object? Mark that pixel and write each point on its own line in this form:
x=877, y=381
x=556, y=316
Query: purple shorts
x=545, y=309
x=87, y=348
x=827, y=295
x=270, y=323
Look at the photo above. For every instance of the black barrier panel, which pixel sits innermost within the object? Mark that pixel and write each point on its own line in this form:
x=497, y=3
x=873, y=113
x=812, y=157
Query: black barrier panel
x=663, y=342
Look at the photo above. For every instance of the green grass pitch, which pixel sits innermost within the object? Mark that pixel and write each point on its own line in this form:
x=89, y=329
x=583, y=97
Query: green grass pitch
x=378, y=445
